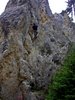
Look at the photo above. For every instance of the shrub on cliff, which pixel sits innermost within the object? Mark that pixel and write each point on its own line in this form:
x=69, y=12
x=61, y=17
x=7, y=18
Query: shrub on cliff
x=63, y=84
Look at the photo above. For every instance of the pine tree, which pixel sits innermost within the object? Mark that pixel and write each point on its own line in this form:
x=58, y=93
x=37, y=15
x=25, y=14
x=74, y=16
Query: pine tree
x=63, y=82
x=70, y=7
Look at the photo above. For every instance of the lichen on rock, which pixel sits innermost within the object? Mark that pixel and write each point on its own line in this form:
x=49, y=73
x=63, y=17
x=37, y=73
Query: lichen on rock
x=29, y=56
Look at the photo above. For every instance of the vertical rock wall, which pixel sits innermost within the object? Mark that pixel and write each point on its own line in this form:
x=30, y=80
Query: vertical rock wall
x=33, y=43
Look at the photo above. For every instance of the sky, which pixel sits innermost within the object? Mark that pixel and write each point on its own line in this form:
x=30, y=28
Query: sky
x=2, y=5
x=55, y=5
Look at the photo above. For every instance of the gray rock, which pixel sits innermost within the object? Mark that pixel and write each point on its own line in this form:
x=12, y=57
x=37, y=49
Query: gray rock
x=27, y=64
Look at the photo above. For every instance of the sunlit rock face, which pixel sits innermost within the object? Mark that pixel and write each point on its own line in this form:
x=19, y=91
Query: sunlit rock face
x=33, y=43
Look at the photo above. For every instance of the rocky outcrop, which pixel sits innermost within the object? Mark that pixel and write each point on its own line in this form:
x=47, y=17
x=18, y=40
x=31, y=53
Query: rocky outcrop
x=33, y=44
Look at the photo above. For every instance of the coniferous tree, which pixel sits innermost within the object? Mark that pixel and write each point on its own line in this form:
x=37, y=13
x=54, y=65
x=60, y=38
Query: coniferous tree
x=71, y=7
x=63, y=82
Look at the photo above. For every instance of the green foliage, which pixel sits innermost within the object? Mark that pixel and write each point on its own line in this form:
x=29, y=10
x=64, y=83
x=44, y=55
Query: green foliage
x=63, y=84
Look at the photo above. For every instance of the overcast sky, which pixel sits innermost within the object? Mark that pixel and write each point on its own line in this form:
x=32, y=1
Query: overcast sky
x=2, y=5
x=55, y=5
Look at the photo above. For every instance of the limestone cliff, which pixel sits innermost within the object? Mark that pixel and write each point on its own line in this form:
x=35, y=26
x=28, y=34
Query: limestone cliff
x=33, y=43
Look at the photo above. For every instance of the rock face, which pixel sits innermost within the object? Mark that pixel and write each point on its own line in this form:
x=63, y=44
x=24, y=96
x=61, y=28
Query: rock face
x=33, y=43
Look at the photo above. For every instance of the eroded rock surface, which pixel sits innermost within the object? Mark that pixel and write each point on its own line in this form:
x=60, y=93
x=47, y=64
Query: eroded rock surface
x=33, y=43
